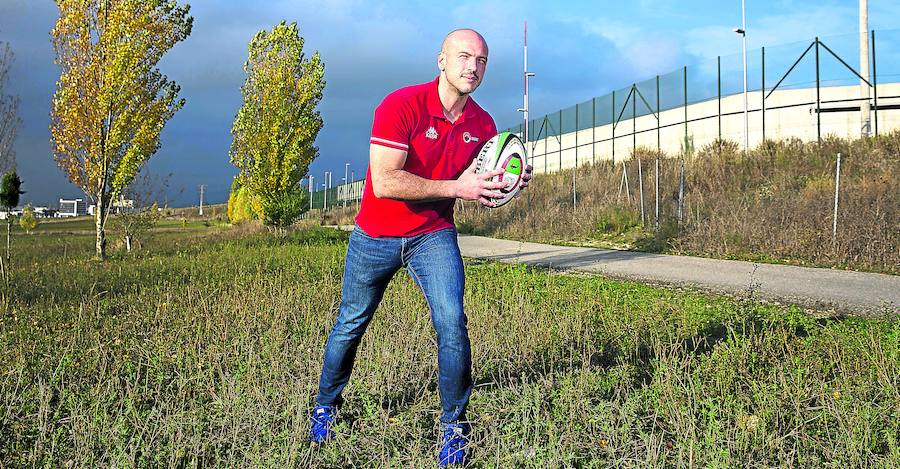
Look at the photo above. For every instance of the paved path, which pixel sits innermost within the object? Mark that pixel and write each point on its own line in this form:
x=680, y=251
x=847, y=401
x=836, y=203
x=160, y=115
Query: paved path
x=856, y=293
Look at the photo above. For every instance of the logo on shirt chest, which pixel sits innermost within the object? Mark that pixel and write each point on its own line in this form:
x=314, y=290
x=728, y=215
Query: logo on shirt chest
x=467, y=137
x=431, y=133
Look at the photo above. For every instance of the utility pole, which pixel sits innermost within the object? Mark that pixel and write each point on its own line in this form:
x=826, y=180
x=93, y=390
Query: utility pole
x=524, y=110
x=864, y=109
x=526, y=75
x=346, y=182
x=202, y=188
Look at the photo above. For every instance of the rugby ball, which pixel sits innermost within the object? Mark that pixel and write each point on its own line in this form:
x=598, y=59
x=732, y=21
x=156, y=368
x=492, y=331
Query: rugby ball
x=505, y=150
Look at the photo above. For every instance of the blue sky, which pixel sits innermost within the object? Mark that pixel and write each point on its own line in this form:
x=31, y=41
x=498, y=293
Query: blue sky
x=578, y=50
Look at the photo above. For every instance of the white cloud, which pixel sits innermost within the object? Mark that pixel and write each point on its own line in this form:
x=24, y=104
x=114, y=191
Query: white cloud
x=800, y=24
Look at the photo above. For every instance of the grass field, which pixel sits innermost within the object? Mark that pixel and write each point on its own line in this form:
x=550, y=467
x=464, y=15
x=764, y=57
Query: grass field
x=204, y=349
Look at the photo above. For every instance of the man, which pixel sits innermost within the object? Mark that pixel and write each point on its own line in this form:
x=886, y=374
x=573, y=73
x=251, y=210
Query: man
x=421, y=159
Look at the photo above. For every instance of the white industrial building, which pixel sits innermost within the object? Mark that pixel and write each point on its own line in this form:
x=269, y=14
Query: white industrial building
x=789, y=113
x=71, y=208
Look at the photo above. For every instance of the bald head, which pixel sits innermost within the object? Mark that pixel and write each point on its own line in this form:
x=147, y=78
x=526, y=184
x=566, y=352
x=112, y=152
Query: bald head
x=463, y=60
x=463, y=34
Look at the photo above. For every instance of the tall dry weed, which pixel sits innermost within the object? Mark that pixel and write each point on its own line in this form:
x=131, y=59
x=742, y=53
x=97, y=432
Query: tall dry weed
x=774, y=203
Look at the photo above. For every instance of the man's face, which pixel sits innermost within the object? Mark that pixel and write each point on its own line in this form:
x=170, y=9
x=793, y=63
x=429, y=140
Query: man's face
x=463, y=60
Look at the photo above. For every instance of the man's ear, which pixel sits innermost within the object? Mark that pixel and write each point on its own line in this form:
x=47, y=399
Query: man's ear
x=441, y=60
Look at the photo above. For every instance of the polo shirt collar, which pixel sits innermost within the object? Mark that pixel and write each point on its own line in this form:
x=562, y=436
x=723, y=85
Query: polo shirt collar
x=436, y=109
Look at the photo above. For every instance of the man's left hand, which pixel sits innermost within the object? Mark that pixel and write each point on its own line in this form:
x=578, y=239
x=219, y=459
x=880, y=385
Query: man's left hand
x=526, y=178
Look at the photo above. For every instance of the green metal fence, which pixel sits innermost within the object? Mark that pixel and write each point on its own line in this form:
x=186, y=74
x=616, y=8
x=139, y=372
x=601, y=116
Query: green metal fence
x=338, y=196
x=824, y=62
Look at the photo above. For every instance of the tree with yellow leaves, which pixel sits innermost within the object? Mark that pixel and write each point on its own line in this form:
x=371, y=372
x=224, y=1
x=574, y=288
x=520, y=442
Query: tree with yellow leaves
x=275, y=129
x=111, y=101
x=28, y=221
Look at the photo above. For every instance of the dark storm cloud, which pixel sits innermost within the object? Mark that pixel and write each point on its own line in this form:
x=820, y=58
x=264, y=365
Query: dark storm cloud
x=368, y=51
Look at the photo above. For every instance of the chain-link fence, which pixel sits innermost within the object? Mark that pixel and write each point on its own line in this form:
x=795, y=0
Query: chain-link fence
x=807, y=90
x=344, y=195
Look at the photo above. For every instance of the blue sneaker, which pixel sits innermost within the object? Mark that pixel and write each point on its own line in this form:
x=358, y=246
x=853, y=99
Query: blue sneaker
x=321, y=422
x=454, y=443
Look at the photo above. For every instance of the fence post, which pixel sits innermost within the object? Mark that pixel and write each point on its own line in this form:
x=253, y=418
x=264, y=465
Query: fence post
x=658, y=145
x=624, y=183
x=593, y=130
x=576, y=135
x=837, y=186
x=874, y=83
x=685, y=103
x=633, y=118
x=681, y=193
x=657, y=191
x=575, y=168
x=641, y=189
x=763, y=86
x=559, y=168
x=719, y=86
x=613, y=128
x=818, y=97
x=574, y=194
x=546, y=139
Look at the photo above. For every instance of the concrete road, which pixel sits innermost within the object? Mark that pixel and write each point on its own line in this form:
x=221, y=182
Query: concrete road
x=856, y=293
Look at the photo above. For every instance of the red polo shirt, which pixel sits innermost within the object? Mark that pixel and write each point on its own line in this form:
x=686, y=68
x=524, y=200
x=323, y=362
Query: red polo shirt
x=412, y=119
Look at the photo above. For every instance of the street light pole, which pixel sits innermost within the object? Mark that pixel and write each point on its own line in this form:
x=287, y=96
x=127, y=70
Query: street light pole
x=865, y=108
x=326, y=183
x=311, y=191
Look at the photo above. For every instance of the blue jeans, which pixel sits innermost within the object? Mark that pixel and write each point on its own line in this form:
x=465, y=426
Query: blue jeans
x=435, y=264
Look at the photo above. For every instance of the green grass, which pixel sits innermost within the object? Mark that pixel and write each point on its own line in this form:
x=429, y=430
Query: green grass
x=205, y=350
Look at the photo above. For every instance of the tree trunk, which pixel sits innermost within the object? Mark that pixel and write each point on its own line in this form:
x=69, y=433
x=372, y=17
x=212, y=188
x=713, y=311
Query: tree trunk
x=128, y=243
x=4, y=266
x=8, y=229
x=100, y=219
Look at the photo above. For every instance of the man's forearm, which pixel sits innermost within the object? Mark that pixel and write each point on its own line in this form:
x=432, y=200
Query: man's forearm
x=402, y=185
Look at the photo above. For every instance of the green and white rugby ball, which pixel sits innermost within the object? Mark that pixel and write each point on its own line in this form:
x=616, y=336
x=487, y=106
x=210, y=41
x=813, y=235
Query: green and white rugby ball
x=505, y=150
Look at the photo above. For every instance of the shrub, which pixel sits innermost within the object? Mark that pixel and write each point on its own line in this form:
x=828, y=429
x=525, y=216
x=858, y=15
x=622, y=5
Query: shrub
x=617, y=220
x=29, y=221
x=281, y=210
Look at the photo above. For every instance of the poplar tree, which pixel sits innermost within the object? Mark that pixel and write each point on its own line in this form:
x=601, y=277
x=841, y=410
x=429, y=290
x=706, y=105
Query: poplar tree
x=28, y=221
x=275, y=129
x=111, y=102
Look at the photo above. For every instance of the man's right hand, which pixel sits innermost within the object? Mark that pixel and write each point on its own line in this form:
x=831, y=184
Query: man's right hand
x=473, y=186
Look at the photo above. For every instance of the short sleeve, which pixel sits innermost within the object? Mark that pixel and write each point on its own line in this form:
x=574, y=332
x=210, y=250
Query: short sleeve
x=391, y=126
